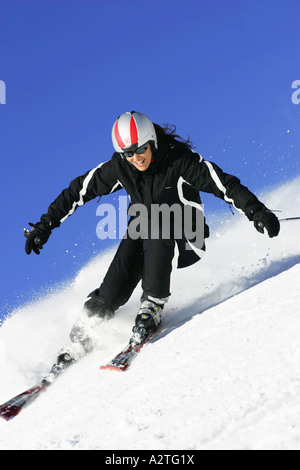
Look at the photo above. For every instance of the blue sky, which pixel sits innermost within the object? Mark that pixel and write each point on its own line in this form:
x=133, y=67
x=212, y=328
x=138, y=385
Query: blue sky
x=220, y=70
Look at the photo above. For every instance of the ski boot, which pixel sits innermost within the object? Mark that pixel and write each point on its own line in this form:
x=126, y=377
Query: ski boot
x=85, y=332
x=147, y=320
x=64, y=360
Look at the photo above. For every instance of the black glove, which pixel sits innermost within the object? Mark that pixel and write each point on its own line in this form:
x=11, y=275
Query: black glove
x=36, y=237
x=264, y=218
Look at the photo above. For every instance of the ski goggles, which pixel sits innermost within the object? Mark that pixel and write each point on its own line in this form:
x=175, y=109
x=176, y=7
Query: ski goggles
x=138, y=151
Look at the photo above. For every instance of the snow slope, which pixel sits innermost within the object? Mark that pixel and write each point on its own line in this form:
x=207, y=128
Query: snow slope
x=223, y=374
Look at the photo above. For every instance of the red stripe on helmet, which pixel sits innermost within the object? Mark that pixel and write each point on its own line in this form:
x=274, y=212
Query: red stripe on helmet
x=133, y=131
x=118, y=137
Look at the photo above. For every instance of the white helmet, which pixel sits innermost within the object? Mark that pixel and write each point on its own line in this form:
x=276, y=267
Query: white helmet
x=131, y=130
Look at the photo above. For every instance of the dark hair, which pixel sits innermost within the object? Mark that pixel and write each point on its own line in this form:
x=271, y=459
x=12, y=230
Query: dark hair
x=168, y=133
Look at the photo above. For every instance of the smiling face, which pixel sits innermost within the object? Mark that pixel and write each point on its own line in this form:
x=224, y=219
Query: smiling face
x=141, y=161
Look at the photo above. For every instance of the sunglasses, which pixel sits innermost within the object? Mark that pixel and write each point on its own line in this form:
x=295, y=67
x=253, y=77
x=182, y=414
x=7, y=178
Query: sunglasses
x=138, y=151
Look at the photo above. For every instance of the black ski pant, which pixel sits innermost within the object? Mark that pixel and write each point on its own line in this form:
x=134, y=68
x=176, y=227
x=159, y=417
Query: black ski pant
x=149, y=261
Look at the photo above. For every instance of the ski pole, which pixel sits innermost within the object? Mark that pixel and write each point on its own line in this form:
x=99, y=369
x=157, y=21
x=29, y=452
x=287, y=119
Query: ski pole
x=262, y=226
x=289, y=218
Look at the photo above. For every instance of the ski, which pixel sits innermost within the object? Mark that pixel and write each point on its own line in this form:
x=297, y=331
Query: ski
x=122, y=361
x=12, y=407
x=15, y=405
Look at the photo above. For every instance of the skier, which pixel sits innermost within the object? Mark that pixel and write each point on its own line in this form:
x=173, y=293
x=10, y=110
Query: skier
x=154, y=166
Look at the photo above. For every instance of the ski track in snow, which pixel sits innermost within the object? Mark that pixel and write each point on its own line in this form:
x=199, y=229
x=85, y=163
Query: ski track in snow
x=222, y=374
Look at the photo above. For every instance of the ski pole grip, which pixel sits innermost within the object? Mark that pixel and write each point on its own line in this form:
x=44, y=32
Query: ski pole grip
x=37, y=240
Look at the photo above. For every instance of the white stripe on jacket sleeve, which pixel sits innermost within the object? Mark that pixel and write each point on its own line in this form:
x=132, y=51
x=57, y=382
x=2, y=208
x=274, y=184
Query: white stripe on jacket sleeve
x=219, y=183
x=82, y=192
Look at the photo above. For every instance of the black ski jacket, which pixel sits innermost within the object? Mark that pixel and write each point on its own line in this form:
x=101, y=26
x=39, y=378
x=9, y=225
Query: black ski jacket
x=176, y=175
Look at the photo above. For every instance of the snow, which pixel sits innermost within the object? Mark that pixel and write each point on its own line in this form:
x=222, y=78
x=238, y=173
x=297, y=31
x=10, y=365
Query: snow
x=222, y=374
